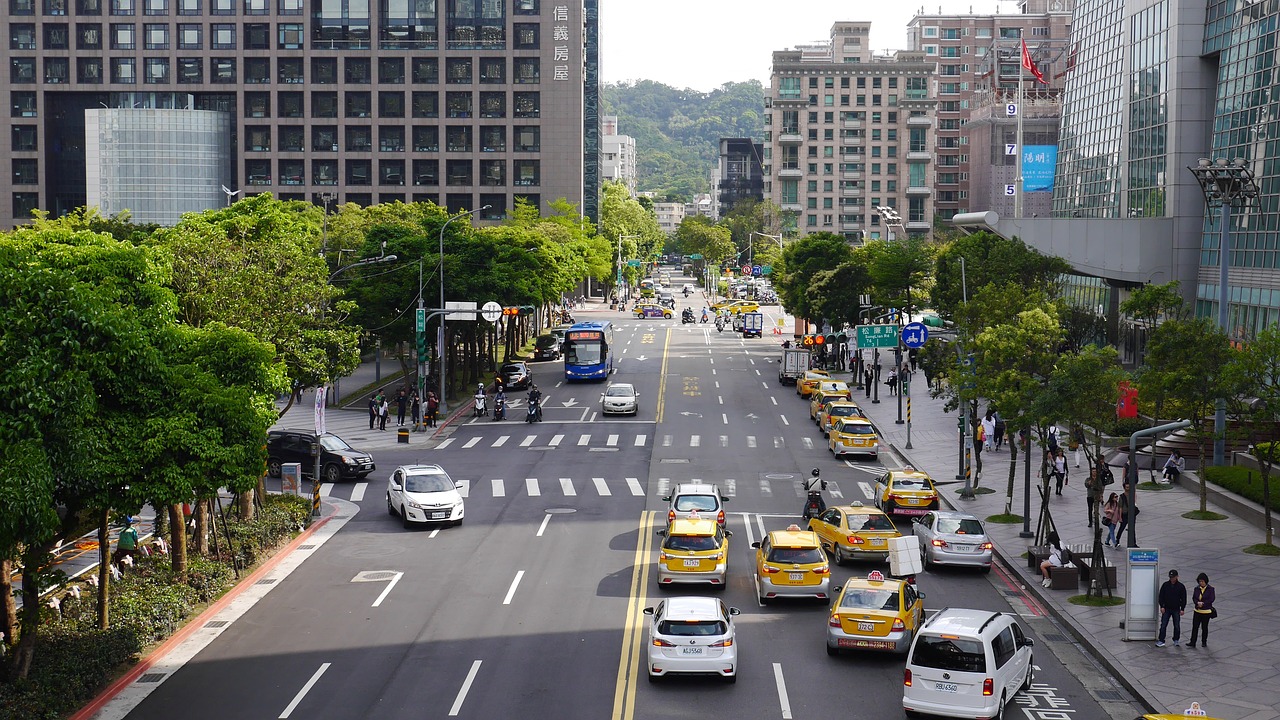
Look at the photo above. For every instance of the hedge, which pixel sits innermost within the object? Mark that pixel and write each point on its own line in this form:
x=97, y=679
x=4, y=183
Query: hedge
x=1245, y=482
x=67, y=671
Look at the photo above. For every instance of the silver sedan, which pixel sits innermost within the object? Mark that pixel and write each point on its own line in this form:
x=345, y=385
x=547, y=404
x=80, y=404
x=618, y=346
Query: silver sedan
x=620, y=398
x=952, y=538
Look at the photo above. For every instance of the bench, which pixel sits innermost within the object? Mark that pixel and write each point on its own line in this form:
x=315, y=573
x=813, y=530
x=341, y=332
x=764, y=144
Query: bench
x=1066, y=577
x=1108, y=575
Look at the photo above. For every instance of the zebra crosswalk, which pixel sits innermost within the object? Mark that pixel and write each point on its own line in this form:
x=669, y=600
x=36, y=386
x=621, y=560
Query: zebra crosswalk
x=616, y=487
x=614, y=440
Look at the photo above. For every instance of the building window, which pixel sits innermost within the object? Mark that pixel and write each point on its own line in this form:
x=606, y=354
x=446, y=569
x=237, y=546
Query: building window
x=26, y=171
x=257, y=36
x=222, y=70
x=24, y=138
x=257, y=71
x=324, y=138
x=426, y=138
x=23, y=7
x=324, y=172
x=289, y=7
x=391, y=104
x=525, y=70
x=190, y=36
x=359, y=138
x=458, y=172
x=359, y=171
x=391, y=172
x=526, y=172
x=493, y=71
x=124, y=71
x=292, y=139
x=256, y=7
x=457, y=138
x=89, y=36
x=524, y=7
x=527, y=104
x=324, y=104
x=458, y=104
x=324, y=71
x=493, y=104
x=89, y=70
x=358, y=104
x=189, y=7
x=191, y=71
x=528, y=138
x=122, y=7
x=257, y=138
x=222, y=37
x=390, y=138
x=24, y=203
x=493, y=139
x=493, y=172
x=391, y=71
x=292, y=172
x=56, y=36
x=526, y=36
x=257, y=172
x=123, y=36
x=426, y=172
x=426, y=71
x=426, y=105
x=458, y=71
x=157, y=71
x=257, y=105
x=289, y=71
x=358, y=71
x=155, y=7
x=222, y=7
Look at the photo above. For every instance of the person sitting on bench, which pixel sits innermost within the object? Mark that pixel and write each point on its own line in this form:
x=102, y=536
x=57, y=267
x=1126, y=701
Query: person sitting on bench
x=1054, y=560
x=1173, y=467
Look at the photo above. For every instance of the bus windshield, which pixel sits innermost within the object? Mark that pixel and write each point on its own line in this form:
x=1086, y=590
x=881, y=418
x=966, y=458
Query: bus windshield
x=583, y=352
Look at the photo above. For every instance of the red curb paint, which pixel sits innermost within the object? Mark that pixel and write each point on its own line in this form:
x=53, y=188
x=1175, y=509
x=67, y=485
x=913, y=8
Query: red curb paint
x=88, y=711
x=1032, y=603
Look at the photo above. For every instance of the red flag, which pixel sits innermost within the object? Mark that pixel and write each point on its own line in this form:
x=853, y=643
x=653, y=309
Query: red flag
x=1030, y=64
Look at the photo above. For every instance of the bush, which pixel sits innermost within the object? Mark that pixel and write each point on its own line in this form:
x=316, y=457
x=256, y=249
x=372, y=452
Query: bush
x=280, y=517
x=1124, y=427
x=68, y=669
x=208, y=578
x=153, y=608
x=1244, y=482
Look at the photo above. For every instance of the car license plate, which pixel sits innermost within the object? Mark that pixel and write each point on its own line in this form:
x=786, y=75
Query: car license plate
x=866, y=627
x=796, y=577
x=963, y=548
x=439, y=515
x=877, y=542
x=946, y=687
x=698, y=651
x=911, y=501
x=692, y=563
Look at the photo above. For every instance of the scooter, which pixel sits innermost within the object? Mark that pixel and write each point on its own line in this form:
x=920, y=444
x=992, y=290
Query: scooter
x=814, y=505
x=686, y=316
x=704, y=317
x=719, y=323
x=479, y=405
x=499, y=409
x=535, y=412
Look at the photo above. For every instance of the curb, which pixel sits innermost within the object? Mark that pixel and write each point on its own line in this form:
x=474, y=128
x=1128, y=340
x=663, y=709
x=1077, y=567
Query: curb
x=1099, y=654
x=192, y=625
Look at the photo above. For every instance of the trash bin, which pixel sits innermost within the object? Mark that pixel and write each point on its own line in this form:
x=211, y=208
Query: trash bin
x=402, y=435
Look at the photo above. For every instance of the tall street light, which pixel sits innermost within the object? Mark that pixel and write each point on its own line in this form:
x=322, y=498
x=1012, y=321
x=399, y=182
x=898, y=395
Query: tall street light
x=892, y=218
x=421, y=306
x=1226, y=185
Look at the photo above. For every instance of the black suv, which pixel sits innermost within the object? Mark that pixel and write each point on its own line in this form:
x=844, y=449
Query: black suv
x=516, y=376
x=338, y=460
x=546, y=347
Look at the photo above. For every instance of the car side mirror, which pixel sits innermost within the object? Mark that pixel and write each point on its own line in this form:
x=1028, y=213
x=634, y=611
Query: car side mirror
x=917, y=519
x=734, y=611
x=919, y=594
x=756, y=544
x=836, y=589
x=666, y=499
x=1026, y=641
x=648, y=611
x=728, y=533
x=663, y=533
x=395, y=486
x=725, y=499
x=457, y=486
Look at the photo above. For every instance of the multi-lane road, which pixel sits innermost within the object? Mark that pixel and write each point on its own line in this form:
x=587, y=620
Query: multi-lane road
x=532, y=608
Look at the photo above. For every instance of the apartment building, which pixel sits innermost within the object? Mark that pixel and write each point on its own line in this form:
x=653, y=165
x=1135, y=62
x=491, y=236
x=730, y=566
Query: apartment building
x=617, y=154
x=740, y=174
x=466, y=103
x=979, y=60
x=669, y=215
x=847, y=131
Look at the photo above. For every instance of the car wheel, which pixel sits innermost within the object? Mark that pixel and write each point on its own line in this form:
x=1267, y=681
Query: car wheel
x=653, y=678
x=273, y=467
x=404, y=519
x=986, y=570
x=391, y=509
x=832, y=652
x=1000, y=709
x=731, y=679
x=332, y=473
x=838, y=554
x=888, y=508
x=924, y=558
x=1026, y=682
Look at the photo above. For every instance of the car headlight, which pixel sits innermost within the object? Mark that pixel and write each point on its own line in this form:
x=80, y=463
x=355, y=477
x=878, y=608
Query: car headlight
x=349, y=460
x=414, y=505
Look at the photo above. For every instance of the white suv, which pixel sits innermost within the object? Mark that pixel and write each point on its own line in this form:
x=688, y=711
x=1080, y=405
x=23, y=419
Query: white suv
x=695, y=499
x=966, y=664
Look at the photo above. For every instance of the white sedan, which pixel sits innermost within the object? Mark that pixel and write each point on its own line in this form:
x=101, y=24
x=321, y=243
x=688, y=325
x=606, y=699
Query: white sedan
x=620, y=398
x=421, y=494
x=692, y=635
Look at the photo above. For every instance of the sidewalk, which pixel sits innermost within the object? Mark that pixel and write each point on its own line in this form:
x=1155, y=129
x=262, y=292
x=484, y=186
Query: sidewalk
x=1235, y=678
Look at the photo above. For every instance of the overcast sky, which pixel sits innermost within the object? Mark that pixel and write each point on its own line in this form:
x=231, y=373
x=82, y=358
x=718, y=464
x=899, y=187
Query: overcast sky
x=703, y=44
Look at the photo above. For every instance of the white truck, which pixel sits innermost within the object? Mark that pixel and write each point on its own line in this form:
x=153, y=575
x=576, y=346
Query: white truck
x=794, y=364
x=752, y=324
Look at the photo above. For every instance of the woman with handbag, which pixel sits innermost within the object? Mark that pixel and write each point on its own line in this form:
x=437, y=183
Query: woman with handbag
x=1202, y=601
x=1111, y=517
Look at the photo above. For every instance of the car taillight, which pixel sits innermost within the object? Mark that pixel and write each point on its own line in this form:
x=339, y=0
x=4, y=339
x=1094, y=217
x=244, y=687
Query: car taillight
x=720, y=517
x=659, y=642
x=939, y=543
x=821, y=570
x=671, y=516
x=988, y=687
x=985, y=546
x=898, y=625
x=727, y=642
x=854, y=540
x=769, y=569
x=906, y=677
x=833, y=621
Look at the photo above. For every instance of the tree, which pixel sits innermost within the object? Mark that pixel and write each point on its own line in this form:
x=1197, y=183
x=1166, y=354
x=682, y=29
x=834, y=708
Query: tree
x=899, y=270
x=835, y=293
x=1256, y=369
x=991, y=258
x=1187, y=363
x=801, y=260
x=1149, y=305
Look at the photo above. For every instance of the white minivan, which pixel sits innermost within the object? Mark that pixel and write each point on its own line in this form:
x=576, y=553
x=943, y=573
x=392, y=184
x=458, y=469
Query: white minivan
x=966, y=664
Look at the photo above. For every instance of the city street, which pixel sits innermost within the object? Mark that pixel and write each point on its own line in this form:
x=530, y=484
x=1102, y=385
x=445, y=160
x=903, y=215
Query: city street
x=535, y=600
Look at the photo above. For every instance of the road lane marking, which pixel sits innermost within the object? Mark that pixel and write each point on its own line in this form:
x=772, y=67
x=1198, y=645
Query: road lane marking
x=662, y=378
x=779, y=442
x=664, y=484
x=784, y=420
x=757, y=372
x=511, y=591
x=724, y=418
x=731, y=489
x=782, y=691
x=611, y=441
x=751, y=441
x=867, y=490
x=499, y=487
x=666, y=441
x=528, y=440
x=303, y=692
x=357, y=493
x=640, y=440
x=444, y=444
x=502, y=440
x=766, y=489
x=774, y=400
x=531, y=487
x=764, y=384
x=466, y=686
x=720, y=398
x=634, y=484
x=601, y=487
x=471, y=443
x=834, y=489
x=325, y=489
x=724, y=441
x=387, y=590
x=566, y=485
x=631, y=658
x=583, y=440
x=808, y=443
x=695, y=440
x=555, y=440
x=434, y=532
x=542, y=528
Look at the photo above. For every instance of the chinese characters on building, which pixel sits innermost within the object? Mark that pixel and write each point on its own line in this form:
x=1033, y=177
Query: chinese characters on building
x=560, y=33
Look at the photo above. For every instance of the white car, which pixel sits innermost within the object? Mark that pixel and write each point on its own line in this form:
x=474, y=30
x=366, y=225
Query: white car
x=952, y=538
x=619, y=398
x=693, y=635
x=966, y=664
x=421, y=494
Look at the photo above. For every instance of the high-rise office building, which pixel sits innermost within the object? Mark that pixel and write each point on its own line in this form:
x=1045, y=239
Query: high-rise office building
x=741, y=173
x=847, y=131
x=464, y=103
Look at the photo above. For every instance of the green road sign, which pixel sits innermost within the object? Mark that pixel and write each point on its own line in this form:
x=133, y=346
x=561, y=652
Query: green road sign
x=766, y=270
x=634, y=263
x=877, y=336
x=695, y=256
x=422, y=320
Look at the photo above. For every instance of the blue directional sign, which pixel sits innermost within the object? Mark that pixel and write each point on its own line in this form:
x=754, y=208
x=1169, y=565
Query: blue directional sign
x=757, y=270
x=914, y=334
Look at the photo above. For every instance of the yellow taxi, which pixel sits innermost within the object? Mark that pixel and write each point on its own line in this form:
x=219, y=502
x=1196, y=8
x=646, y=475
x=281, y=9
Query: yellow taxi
x=853, y=436
x=877, y=613
x=818, y=401
x=836, y=411
x=651, y=310
x=790, y=563
x=737, y=306
x=854, y=532
x=694, y=550
x=835, y=386
x=906, y=492
x=810, y=381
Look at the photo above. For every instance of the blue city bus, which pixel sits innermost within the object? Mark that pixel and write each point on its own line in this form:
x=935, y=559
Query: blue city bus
x=588, y=351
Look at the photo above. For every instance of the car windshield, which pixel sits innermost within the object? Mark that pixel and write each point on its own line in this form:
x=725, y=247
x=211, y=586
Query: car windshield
x=911, y=484
x=427, y=483
x=690, y=503
x=333, y=443
x=942, y=653
x=690, y=542
x=692, y=628
x=966, y=526
x=512, y=369
x=847, y=411
x=856, y=428
x=619, y=391
x=868, y=599
x=800, y=556
x=871, y=522
x=546, y=341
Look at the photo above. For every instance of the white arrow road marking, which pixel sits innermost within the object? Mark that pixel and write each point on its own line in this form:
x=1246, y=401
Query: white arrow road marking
x=555, y=440
x=634, y=484
x=499, y=488
x=305, y=688
x=641, y=357
x=570, y=402
x=466, y=686
x=566, y=484
x=601, y=487
x=357, y=493
x=531, y=487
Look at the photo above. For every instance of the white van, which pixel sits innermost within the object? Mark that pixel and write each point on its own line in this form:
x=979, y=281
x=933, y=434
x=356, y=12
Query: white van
x=966, y=664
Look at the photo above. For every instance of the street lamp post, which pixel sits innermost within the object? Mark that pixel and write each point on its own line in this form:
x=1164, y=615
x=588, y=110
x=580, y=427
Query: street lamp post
x=1226, y=186
x=618, y=282
x=892, y=218
x=422, y=307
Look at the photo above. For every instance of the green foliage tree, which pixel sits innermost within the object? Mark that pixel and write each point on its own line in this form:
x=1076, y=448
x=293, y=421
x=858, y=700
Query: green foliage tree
x=899, y=270
x=834, y=293
x=1148, y=305
x=1255, y=369
x=801, y=260
x=991, y=258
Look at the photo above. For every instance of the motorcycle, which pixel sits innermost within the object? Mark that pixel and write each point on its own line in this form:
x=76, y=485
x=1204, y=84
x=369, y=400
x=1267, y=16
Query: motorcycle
x=499, y=409
x=480, y=409
x=686, y=316
x=535, y=412
x=719, y=324
x=704, y=317
x=814, y=505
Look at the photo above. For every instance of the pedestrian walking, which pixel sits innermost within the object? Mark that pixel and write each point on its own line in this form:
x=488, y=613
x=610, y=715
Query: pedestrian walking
x=373, y=410
x=433, y=406
x=1077, y=441
x=989, y=430
x=1111, y=518
x=1059, y=470
x=1052, y=438
x=1124, y=515
x=1173, y=602
x=911, y=357
x=415, y=406
x=384, y=410
x=1092, y=490
x=892, y=382
x=402, y=406
x=867, y=378
x=1202, y=610
x=999, y=428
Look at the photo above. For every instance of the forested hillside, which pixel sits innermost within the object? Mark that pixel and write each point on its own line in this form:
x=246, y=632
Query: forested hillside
x=678, y=131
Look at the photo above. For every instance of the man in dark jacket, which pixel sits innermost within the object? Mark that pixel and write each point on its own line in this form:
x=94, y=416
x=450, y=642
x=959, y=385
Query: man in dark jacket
x=1173, y=601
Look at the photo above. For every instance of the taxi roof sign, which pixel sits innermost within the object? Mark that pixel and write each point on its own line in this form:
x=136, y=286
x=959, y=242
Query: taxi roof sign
x=875, y=576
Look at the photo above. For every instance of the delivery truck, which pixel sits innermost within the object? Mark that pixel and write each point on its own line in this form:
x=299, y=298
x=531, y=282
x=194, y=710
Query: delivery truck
x=794, y=364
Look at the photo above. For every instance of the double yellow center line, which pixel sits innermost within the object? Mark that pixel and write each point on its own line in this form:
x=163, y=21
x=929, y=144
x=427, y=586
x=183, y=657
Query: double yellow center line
x=632, y=658
x=662, y=377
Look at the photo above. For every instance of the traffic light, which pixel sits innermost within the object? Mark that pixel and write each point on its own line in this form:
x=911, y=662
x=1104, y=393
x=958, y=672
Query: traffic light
x=819, y=340
x=524, y=310
x=511, y=311
x=422, y=345
x=829, y=340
